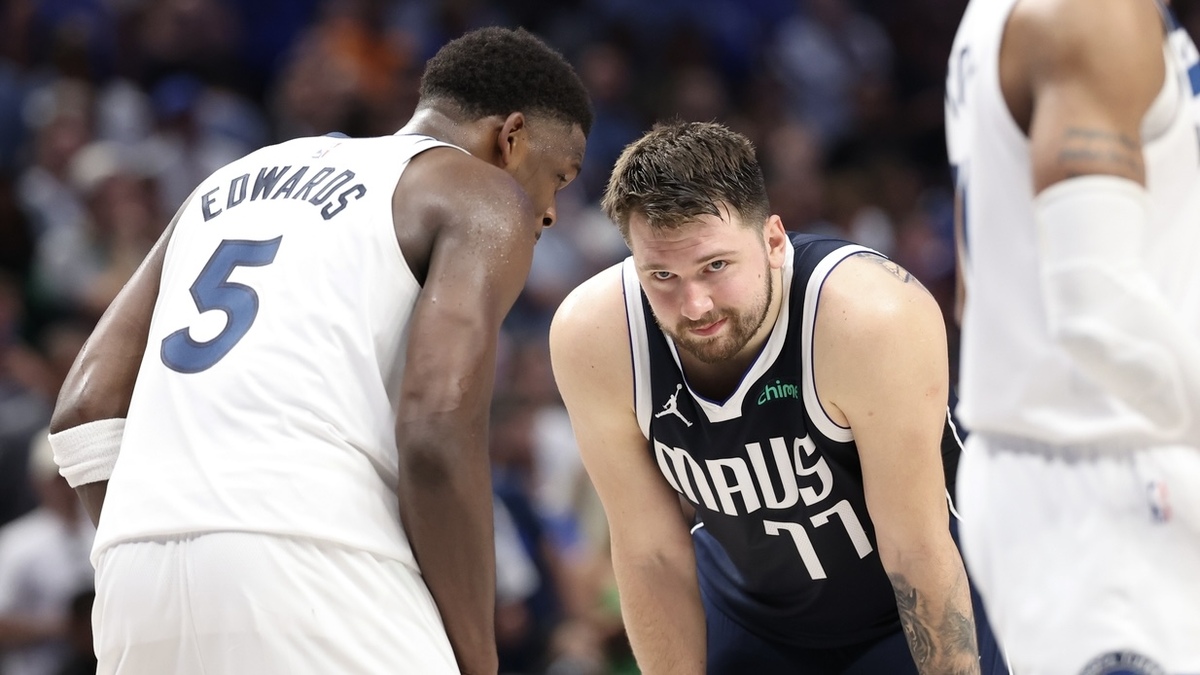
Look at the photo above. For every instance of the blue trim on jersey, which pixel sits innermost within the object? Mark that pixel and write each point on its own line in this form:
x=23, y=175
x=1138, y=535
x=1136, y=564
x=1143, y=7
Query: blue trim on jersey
x=1168, y=16
x=1172, y=24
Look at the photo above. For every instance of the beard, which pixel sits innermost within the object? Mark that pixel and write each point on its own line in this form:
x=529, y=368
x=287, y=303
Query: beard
x=737, y=332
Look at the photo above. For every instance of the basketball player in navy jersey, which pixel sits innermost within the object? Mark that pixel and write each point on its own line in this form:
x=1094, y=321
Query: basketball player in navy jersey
x=792, y=389
x=299, y=481
x=1073, y=126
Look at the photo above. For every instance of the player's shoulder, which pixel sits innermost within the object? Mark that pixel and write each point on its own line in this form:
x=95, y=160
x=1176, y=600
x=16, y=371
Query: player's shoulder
x=462, y=187
x=590, y=324
x=1065, y=30
x=593, y=308
x=866, y=295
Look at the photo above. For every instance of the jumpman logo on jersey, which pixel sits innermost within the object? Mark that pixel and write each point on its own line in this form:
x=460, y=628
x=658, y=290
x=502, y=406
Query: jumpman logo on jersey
x=671, y=407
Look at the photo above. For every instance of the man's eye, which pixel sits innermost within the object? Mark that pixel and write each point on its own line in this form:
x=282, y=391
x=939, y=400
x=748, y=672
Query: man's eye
x=717, y=265
x=662, y=276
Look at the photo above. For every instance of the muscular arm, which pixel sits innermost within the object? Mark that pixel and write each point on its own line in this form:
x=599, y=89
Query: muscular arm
x=652, y=552
x=881, y=368
x=481, y=252
x=100, y=383
x=1081, y=75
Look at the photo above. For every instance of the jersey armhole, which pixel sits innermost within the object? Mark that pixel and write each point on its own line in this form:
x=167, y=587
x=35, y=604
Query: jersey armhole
x=639, y=346
x=812, y=402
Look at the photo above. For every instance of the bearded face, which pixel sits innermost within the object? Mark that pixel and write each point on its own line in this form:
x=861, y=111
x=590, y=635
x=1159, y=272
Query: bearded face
x=738, y=325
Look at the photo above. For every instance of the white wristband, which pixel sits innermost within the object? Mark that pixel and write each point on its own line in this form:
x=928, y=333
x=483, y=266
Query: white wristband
x=87, y=453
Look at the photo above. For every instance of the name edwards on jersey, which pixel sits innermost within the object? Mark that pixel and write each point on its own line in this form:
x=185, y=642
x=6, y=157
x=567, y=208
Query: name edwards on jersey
x=318, y=190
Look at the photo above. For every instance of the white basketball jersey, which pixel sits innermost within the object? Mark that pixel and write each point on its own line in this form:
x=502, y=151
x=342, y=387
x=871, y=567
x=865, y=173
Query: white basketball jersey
x=1013, y=378
x=267, y=394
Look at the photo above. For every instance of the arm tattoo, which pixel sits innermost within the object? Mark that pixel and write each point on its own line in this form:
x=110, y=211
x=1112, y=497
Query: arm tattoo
x=1084, y=151
x=920, y=638
x=942, y=645
x=895, y=270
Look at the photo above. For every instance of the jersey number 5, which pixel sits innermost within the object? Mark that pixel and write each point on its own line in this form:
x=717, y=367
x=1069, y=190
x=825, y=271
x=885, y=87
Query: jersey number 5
x=213, y=290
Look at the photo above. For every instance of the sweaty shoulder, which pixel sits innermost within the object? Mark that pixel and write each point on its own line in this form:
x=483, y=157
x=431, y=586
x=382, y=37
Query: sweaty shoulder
x=447, y=191
x=589, y=339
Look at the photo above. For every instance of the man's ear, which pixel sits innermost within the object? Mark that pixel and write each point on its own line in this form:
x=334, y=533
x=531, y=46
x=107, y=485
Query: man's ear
x=513, y=141
x=775, y=235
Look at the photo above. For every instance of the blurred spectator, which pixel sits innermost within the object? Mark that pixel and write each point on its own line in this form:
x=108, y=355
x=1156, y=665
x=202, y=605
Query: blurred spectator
x=16, y=232
x=201, y=37
x=314, y=94
x=43, y=565
x=791, y=159
x=523, y=626
x=12, y=127
x=81, y=266
x=24, y=408
x=830, y=56
x=605, y=70
x=184, y=149
x=82, y=657
x=76, y=36
x=59, y=115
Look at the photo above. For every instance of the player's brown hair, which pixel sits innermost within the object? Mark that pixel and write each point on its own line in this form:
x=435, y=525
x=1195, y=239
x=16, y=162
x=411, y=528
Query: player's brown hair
x=681, y=170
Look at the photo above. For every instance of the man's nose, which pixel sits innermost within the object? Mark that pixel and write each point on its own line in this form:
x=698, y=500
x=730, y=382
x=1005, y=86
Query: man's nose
x=696, y=302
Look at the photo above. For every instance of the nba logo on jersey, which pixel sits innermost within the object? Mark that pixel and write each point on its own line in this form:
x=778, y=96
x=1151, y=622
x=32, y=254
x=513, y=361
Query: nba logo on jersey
x=1122, y=663
x=1160, y=502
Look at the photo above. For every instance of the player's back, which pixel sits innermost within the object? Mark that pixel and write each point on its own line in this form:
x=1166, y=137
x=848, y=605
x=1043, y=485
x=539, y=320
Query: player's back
x=1014, y=378
x=266, y=397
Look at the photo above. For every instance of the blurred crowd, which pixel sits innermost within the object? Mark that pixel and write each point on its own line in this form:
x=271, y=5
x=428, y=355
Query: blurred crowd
x=111, y=111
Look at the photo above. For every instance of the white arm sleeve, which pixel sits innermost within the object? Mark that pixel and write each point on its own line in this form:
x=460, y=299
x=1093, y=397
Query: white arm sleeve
x=1104, y=308
x=87, y=453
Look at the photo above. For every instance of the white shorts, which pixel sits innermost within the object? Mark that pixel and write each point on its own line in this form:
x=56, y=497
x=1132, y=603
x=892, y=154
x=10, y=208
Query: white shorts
x=1082, y=556
x=241, y=603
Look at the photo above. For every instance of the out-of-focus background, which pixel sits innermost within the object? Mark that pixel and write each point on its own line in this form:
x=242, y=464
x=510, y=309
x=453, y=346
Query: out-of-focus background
x=111, y=111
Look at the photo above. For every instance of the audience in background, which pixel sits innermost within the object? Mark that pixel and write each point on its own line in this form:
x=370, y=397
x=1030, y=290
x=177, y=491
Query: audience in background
x=112, y=111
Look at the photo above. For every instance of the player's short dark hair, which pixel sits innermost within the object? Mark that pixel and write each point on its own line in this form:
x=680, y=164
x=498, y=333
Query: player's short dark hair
x=498, y=71
x=682, y=170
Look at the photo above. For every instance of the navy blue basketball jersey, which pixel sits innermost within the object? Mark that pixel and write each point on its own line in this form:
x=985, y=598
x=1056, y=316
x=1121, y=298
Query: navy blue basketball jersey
x=784, y=544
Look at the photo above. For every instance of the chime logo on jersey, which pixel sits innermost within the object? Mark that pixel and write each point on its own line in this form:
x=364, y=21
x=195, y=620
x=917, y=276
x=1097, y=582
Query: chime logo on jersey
x=779, y=389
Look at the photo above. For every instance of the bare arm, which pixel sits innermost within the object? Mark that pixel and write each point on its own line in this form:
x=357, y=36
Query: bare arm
x=881, y=366
x=1084, y=73
x=481, y=252
x=100, y=383
x=652, y=553
x=1079, y=75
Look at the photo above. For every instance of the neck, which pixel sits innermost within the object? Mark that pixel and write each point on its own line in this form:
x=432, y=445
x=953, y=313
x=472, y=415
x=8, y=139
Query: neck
x=456, y=130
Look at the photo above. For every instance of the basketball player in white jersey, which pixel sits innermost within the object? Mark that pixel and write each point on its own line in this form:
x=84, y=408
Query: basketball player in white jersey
x=1072, y=126
x=302, y=484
